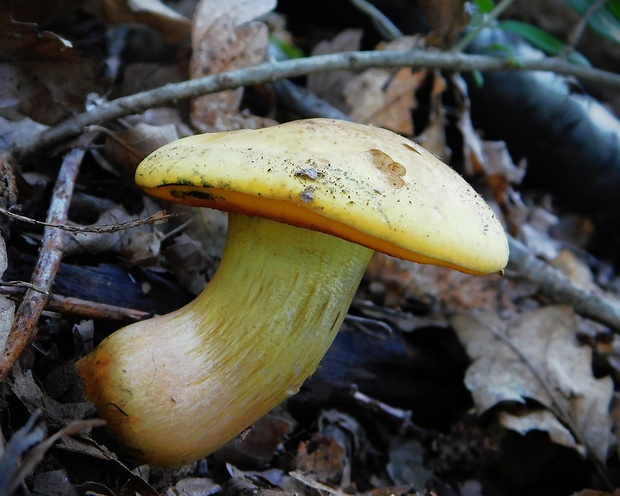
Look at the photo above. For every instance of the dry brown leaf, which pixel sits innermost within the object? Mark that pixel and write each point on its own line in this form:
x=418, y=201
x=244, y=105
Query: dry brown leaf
x=41, y=75
x=575, y=269
x=448, y=18
x=526, y=420
x=188, y=262
x=144, y=76
x=322, y=455
x=433, y=137
x=12, y=132
x=406, y=465
x=194, y=486
x=383, y=97
x=224, y=38
x=35, y=399
x=257, y=445
x=490, y=158
x=137, y=246
x=328, y=85
x=127, y=148
x=442, y=289
x=172, y=25
x=237, y=11
x=26, y=449
x=549, y=367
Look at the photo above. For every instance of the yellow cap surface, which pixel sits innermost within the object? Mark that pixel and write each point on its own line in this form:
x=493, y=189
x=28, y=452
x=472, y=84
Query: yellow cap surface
x=361, y=183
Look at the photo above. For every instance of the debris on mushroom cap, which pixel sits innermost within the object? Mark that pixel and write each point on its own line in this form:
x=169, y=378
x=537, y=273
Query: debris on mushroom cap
x=361, y=183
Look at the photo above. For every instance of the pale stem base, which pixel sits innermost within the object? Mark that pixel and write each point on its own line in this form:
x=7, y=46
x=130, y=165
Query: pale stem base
x=177, y=387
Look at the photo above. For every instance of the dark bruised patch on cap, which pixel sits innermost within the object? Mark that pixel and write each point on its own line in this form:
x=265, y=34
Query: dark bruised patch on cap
x=192, y=193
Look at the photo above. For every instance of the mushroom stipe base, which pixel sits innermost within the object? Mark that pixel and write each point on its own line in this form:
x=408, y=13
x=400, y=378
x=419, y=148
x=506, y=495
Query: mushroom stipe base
x=177, y=387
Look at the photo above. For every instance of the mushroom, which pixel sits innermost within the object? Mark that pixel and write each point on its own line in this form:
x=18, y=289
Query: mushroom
x=308, y=202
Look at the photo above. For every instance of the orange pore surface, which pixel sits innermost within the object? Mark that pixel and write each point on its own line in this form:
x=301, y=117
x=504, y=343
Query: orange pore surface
x=292, y=213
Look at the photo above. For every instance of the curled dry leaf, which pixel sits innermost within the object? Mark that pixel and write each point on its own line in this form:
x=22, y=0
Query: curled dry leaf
x=383, y=97
x=328, y=85
x=433, y=137
x=448, y=18
x=141, y=251
x=437, y=287
x=188, y=262
x=172, y=25
x=127, y=148
x=41, y=75
x=527, y=420
x=54, y=413
x=490, y=158
x=31, y=441
x=225, y=38
x=536, y=357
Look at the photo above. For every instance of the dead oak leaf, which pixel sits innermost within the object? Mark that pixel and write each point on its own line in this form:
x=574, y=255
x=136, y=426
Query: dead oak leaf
x=379, y=98
x=328, y=85
x=41, y=75
x=225, y=38
x=170, y=24
x=536, y=357
x=385, y=98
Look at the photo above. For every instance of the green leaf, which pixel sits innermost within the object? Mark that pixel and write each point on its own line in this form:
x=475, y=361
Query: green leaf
x=543, y=40
x=605, y=21
x=291, y=51
x=485, y=6
x=478, y=78
x=614, y=7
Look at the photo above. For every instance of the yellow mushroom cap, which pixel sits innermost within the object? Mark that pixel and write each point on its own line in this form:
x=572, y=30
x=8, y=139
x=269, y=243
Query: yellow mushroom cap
x=361, y=183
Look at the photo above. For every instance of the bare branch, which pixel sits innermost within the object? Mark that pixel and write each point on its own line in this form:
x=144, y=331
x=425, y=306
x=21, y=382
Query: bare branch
x=157, y=218
x=272, y=71
x=24, y=327
x=560, y=289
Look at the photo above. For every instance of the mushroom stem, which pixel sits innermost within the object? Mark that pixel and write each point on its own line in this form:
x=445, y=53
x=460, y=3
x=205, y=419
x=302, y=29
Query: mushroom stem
x=177, y=387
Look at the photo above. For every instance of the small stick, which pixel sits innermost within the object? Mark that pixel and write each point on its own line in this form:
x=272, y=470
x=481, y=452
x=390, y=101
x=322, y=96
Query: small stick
x=24, y=327
x=272, y=71
x=384, y=25
x=559, y=288
x=82, y=308
x=157, y=218
x=577, y=32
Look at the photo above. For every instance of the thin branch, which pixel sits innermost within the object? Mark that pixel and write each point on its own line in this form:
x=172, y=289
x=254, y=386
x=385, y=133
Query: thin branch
x=68, y=305
x=577, y=32
x=24, y=327
x=384, y=25
x=560, y=289
x=488, y=19
x=155, y=219
x=272, y=71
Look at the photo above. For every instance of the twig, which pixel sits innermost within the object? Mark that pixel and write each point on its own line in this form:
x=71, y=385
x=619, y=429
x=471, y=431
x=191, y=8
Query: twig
x=81, y=308
x=488, y=19
x=24, y=286
x=157, y=218
x=577, y=32
x=306, y=103
x=384, y=25
x=272, y=71
x=27, y=316
x=560, y=289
